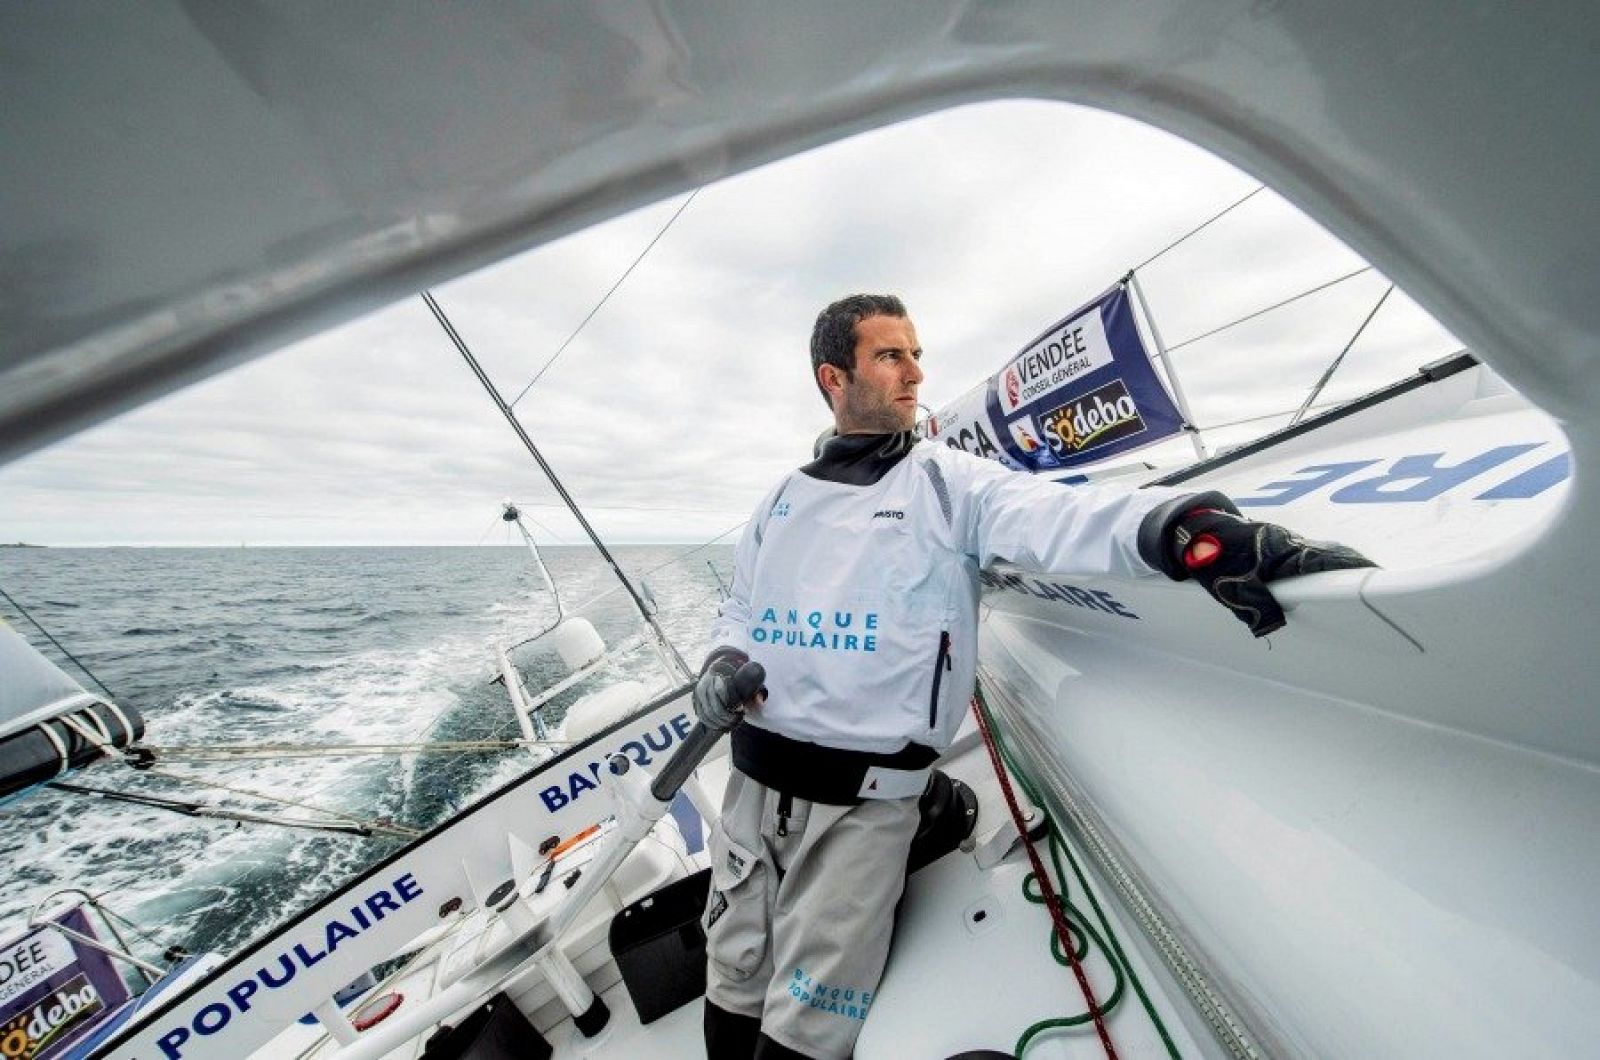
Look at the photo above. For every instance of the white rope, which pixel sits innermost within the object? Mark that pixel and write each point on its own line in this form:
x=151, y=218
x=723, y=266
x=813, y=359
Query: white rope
x=335, y=815
x=122, y=718
x=61, y=749
x=91, y=728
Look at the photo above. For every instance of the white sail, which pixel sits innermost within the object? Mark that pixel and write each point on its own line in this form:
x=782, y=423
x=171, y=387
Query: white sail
x=49, y=723
x=32, y=688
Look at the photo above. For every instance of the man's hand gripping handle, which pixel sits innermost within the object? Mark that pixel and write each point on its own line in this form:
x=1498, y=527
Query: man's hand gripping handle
x=721, y=697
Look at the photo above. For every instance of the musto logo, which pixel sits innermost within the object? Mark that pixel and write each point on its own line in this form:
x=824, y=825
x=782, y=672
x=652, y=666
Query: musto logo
x=30, y=1033
x=1098, y=418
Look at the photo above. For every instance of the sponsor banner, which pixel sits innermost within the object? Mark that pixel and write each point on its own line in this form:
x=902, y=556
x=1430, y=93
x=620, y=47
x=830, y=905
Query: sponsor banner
x=53, y=990
x=965, y=424
x=28, y=961
x=1083, y=391
x=1070, y=350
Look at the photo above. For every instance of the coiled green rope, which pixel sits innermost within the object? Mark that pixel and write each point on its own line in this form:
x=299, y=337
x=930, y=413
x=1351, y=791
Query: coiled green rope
x=1078, y=924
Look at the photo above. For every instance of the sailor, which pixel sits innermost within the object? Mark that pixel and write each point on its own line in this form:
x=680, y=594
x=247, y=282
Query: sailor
x=855, y=586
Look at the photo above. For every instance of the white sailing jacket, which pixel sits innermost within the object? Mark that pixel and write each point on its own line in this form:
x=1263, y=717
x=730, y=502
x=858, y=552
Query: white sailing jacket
x=862, y=600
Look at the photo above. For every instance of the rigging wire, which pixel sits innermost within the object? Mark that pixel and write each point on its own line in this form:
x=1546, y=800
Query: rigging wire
x=506, y=538
x=605, y=297
x=338, y=815
x=558, y=538
x=679, y=558
x=142, y=760
x=59, y=646
x=1315, y=407
x=488, y=529
x=1197, y=228
x=1276, y=305
x=250, y=751
x=635, y=508
x=109, y=913
x=549, y=472
x=722, y=586
x=1268, y=416
x=111, y=919
x=1334, y=366
x=200, y=809
x=120, y=952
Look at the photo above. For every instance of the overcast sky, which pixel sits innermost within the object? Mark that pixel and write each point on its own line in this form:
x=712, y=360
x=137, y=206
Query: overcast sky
x=690, y=391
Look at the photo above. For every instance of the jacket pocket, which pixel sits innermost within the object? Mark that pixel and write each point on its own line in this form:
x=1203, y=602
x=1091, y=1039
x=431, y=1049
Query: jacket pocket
x=738, y=912
x=941, y=664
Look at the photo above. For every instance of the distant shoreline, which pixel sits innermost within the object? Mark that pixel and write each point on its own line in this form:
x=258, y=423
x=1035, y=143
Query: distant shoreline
x=18, y=544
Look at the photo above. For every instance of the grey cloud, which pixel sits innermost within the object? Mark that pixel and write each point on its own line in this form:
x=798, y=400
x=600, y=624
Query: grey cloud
x=690, y=392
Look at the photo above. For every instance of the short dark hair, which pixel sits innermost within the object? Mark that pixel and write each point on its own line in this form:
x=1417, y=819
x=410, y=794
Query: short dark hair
x=833, y=338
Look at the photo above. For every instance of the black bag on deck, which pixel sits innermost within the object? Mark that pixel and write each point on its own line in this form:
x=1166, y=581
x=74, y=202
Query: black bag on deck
x=497, y=1031
x=659, y=946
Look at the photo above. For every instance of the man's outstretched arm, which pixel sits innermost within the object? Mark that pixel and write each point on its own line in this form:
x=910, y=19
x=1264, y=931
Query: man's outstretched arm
x=1127, y=532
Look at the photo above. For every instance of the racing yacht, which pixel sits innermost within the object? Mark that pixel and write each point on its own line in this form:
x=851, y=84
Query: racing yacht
x=1367, y=835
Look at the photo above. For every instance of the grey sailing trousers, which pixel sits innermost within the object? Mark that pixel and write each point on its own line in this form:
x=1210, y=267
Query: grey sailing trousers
x=798, y=924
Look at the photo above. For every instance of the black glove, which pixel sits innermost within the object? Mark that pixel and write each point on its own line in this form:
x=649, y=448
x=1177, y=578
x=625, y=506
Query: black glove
x=1233, y=558
x=725, y=688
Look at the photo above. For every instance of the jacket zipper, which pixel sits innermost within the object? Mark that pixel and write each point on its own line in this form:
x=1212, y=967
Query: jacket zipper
x=785, y=808
x=940, y=665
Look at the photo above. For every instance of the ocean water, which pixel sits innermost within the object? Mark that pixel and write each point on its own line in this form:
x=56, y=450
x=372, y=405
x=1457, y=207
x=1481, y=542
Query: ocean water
x=298, y=645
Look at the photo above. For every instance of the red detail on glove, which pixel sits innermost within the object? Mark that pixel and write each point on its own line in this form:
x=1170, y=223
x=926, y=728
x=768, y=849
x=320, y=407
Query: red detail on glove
x=1202, y=551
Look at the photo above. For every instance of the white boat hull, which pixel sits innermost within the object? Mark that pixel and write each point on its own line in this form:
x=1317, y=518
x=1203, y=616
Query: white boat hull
x=1373, y=833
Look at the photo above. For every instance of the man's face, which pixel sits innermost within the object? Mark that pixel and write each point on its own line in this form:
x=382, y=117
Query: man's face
x=880, y=396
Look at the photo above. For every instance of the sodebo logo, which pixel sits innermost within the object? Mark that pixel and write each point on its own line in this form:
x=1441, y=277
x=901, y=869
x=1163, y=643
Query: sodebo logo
x=39, y=1028
x=1100, y=417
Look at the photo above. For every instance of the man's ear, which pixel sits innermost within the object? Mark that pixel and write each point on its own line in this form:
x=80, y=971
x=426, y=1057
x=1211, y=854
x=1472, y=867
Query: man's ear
x=831, y=379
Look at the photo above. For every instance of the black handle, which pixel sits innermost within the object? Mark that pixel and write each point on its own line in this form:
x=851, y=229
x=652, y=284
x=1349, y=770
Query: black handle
x=747, y=688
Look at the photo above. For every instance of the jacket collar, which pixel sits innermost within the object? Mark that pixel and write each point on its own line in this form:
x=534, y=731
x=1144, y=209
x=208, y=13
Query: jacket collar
x=860, y=459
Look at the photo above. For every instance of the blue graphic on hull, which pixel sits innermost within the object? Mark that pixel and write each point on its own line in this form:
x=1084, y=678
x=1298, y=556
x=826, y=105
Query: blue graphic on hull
x=1415, y=478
